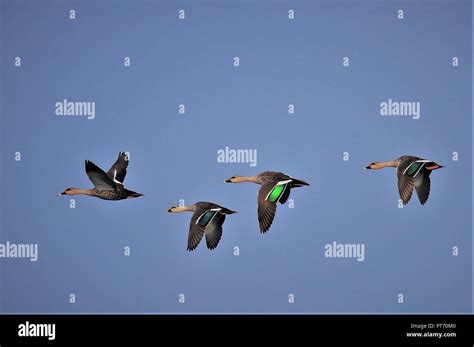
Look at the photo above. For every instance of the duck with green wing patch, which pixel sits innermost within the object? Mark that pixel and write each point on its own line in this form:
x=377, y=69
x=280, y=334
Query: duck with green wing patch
x=207, y=219
x=275, y=188
x=412, y=173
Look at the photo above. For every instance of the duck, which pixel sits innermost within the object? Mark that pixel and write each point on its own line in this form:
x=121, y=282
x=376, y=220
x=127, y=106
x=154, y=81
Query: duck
x=207, y=219
x=107, y=186
x=275, y=188
x=412, y=172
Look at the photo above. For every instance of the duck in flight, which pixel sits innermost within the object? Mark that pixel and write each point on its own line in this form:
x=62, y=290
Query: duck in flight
x=412, y=172
x=207, y=219
x=107, y=186
x=275, y=188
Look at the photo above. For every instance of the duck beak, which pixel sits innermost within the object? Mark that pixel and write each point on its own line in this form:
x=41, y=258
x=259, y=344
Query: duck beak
x=63, y=193
x=367, y=167
x=228, y=181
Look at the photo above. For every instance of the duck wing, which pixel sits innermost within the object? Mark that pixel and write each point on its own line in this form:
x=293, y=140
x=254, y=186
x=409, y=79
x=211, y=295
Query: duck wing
x=118, y=171
x=205, y=221
x=98, y=177
x=422, y=186
x=214, y=230
x=405, y=183
x=266, y=207
x=285, y=195
x=196, y=231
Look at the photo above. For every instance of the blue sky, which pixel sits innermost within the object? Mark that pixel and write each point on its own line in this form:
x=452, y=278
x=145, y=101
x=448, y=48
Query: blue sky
x=174, y=156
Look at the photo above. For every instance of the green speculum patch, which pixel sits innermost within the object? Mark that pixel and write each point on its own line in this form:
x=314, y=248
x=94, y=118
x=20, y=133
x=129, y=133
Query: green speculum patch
x=206, y=218
x=413, y=168
x=417, y=166
x=276, y=192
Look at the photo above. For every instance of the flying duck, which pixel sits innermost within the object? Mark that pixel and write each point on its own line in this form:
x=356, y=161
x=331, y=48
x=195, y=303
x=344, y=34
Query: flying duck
x=275, y=187
x=207, y=219
x=412, y=172
x=107, y=186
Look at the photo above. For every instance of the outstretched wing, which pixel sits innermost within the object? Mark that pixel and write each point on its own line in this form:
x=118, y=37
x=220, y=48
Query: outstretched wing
x=98, y=177
x=196, y=231
x=118, y=171
x=405, y=182
x=285, y=194
x=422, y=186
x=266, y=207
x=214, y=230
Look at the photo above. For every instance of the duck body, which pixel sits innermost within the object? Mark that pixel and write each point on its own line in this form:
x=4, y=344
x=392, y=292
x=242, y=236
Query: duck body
x=266, y=176
x=119, y=194
x=275, y=188
x=207, y=219
x=413, y=173
x=107, y=186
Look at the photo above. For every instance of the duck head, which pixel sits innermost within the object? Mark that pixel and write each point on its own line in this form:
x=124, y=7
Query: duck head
x=176, y=209
x=374, y=166
x=235, y=179
x=71, y=191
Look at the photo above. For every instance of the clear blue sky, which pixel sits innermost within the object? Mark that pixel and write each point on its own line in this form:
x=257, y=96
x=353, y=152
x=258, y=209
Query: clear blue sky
x=174, y=156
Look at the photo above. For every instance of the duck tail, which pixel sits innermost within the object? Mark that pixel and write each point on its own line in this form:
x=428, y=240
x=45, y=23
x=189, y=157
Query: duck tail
x=298, y=183
x=227, y=211
x=132, y=194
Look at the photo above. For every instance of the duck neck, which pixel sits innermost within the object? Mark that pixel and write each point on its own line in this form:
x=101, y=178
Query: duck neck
x=178, y=209
x=240, y=179
x=78, y=191
x=382, y=164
